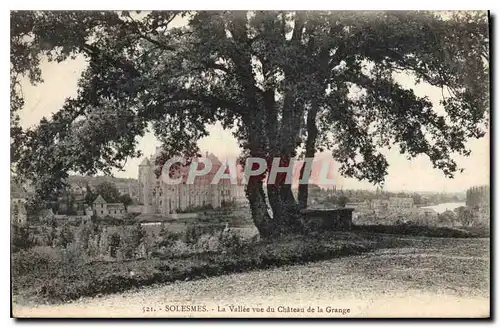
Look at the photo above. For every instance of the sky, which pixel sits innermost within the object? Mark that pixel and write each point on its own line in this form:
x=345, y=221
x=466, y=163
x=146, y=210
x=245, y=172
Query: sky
x=60, y=82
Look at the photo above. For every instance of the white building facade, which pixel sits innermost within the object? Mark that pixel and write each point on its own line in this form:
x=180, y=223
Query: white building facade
x=18, y=200
x=101, y=208
x=158, y=197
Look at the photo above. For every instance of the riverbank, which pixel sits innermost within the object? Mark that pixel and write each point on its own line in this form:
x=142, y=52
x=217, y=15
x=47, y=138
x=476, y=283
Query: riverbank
x=443, y=207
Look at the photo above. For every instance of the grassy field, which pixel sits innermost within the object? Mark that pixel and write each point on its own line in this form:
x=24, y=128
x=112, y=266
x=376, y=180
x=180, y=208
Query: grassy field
x=61, y=275
x=422, y=277
x=425, y=231
x=59, y=279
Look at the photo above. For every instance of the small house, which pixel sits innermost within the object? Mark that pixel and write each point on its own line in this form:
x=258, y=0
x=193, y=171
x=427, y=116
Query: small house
x=101, y=208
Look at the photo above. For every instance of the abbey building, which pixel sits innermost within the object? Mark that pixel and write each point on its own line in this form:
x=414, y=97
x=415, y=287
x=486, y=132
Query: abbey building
x=158, y=197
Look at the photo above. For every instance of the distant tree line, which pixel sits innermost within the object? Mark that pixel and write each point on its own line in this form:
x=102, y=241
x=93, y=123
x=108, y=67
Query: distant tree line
x=477, y=196
x=361, y=195
x=68, y=203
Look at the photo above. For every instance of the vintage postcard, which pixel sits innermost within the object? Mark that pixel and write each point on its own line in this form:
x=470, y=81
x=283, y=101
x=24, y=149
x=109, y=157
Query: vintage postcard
x=251, y=164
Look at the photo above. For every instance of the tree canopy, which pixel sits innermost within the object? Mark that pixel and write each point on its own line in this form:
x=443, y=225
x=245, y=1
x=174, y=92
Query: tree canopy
x=108, y=191
x=285, y=82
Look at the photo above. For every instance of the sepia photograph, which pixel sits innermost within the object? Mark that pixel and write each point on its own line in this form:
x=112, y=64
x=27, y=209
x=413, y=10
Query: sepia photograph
x=250, y=164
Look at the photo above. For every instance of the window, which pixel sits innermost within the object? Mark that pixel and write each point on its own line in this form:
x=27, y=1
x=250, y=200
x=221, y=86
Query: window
x=101, y=212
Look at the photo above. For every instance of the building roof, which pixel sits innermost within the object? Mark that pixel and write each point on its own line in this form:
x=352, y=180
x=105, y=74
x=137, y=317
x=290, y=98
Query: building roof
x=99, y=200
x=401, y=198
x=115, y=205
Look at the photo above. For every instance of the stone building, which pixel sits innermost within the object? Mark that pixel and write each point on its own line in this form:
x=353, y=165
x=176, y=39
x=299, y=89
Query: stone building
x=101, y=208
x=401, y=203
x=158, y=197
x=18, y=199
x=389, y=205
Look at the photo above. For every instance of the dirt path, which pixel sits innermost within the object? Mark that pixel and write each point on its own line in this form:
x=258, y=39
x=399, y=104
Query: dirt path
x=435, y=278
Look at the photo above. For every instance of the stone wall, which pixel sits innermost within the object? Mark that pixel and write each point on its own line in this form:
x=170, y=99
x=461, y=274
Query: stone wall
x=135, y=209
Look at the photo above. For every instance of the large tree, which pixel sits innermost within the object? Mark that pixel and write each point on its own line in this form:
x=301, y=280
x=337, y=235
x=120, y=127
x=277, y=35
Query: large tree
x=285, y=82
x=108, y=191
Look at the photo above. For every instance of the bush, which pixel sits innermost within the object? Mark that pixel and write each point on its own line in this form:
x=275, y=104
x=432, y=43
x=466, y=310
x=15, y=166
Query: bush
x=416, y=230
x=194, y=232
x=208, y=242
x=65, y=278
x=179, y=248
x=40, y=258
x=137, y=235
x=167, y=239
x=232, y=241
x=114, y=243
x=192, y=209
x=21, y=238
x=65, y=236
x=130, y=216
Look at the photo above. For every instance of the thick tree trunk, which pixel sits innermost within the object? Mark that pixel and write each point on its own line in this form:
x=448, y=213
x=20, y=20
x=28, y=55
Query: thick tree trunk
x=294, y=218
x=258, y=209
x=286, y=217
x=265, y=140
x=303, y=191
x=287, y=195
x=277, y=206
x=312, y=133
x=286, y=213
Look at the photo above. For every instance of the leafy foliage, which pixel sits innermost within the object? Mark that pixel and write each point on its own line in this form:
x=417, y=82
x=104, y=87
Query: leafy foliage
x=465, y=215
x=21, y=238
x=108, y=191
x=280, y=80
x=65, y=236
x=125, y=199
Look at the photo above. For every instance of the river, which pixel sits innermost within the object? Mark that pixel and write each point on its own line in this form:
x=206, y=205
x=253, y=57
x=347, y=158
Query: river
x=440, y=208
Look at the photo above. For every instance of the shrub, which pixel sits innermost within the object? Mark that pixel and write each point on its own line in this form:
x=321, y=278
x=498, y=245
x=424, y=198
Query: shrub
x=38, y=258
x=66, y=278
x=167, y=239
x=209, y=242
x=114, y=243
x=65, y=236
x=21, y=238
x=71, y=260
x=192, y=209
x=194, y=232
x=180, y=247
x=130, y=216
x=232, y=241
x=83, y=235
x=137, y=235
x=416, y=230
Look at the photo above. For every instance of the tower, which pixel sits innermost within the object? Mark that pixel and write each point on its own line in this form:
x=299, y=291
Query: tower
x=145, y=171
